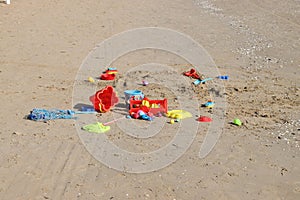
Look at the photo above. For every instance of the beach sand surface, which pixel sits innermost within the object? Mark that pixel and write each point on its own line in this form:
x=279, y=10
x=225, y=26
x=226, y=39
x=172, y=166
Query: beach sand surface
x=256, y=43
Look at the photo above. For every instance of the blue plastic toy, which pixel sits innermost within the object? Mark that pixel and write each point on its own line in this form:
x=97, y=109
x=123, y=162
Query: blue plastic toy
x=209, y=104
x=223, y=77
x=198, y=81
x=144, y=116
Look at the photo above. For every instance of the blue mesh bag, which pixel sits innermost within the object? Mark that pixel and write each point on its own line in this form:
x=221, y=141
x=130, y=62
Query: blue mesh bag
x=45, y=115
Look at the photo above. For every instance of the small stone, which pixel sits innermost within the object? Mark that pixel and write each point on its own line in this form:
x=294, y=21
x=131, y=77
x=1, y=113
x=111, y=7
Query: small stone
x=145, y=83
x=17, y=133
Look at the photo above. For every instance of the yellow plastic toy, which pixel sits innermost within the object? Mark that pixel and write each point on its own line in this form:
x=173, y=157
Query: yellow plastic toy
x=179, y=114
x=146, y=103
x=90, y=79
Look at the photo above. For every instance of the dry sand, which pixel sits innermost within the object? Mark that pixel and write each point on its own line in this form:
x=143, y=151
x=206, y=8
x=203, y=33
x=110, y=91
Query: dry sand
x=42, y=45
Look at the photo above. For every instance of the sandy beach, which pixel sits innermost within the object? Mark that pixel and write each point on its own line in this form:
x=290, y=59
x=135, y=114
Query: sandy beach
x=45, y=45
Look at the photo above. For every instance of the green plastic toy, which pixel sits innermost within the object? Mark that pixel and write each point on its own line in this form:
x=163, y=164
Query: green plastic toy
x=96, y=128
x=237, y=122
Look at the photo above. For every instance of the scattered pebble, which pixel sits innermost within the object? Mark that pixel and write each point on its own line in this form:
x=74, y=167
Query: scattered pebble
x=289, y=132
x=145, y=83
x=17, y=133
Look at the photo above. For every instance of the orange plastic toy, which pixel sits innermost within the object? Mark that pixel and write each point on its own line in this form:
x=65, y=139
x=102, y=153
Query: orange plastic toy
x=192, y=73
x=104, y=99
x=148, y=106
